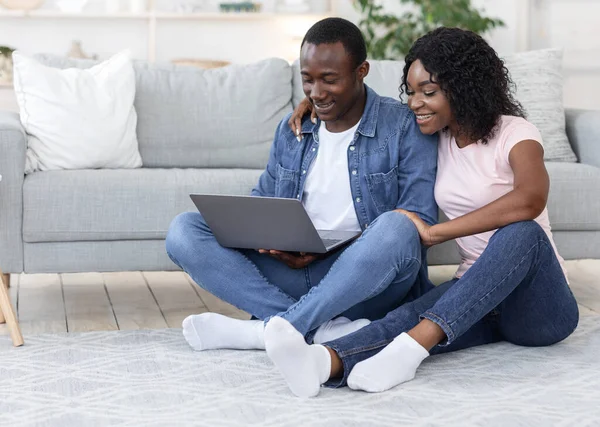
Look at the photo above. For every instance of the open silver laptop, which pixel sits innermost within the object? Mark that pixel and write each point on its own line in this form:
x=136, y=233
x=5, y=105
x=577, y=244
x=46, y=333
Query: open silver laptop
x=266, y=223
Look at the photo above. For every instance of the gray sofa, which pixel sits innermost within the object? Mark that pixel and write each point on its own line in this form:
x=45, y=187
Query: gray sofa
x=210, y=131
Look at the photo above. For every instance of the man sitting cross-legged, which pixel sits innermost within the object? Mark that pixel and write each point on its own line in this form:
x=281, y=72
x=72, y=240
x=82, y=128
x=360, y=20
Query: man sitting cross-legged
x=363, y=158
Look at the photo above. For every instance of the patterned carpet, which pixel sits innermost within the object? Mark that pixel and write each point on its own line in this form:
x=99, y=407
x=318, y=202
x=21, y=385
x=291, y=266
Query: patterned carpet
x=152, y=378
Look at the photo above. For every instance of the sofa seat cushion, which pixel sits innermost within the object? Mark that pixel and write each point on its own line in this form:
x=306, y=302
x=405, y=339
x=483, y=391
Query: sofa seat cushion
x=574, y=200
x=94, y=205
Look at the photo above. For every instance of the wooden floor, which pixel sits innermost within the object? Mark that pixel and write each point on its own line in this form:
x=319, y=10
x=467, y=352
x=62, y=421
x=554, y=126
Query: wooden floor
x=152, y=300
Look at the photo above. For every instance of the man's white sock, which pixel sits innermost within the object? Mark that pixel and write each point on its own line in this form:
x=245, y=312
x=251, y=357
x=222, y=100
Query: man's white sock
x=337, y=328
x=304, y=367
x=210, y=331
x=395, y=364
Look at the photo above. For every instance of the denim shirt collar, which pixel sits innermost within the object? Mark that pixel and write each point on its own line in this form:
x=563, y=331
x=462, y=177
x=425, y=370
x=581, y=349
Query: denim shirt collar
x=368, y=122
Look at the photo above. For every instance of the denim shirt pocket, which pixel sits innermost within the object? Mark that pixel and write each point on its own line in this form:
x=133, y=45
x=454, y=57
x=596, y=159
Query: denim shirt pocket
x=285, y=182
x=383, y=188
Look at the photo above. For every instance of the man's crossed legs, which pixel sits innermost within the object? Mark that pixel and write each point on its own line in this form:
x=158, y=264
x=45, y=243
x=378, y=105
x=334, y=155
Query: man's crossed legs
x=367, y=279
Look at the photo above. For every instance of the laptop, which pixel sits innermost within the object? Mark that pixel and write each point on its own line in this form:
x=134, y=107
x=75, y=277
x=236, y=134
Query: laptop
x=249, y=222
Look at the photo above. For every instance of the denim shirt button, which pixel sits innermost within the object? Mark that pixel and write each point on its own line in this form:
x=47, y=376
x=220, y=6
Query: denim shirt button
x=303, y=172
x=354, y=172
x=366, y=225
x=352, y=148
x=358, y=200
x=314, y=149
x=298, y=196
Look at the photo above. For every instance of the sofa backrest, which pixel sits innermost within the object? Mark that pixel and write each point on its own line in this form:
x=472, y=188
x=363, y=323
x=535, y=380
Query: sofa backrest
x=538, y=79
x=217, y=118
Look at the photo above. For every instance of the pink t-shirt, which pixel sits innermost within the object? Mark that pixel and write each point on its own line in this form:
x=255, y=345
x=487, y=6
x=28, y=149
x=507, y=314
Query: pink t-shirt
x=471, y=177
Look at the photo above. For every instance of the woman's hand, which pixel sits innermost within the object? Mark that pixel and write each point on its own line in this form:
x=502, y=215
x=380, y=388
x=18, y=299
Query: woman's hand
x=295, y=122
x=423, y=228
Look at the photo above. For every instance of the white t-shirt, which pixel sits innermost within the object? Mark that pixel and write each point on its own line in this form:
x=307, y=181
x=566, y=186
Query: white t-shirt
x=471, y=177
x=327, y=197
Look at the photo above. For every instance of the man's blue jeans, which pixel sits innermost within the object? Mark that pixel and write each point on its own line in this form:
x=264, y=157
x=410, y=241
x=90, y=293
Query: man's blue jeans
x=367, y=279
x=516, y=292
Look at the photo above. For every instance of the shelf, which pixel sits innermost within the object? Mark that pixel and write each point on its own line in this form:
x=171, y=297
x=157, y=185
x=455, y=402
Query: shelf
x=229, y=16
x=63, y=15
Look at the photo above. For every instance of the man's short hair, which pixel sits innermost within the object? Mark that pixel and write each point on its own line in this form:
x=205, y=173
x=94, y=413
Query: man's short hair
x=334, y=30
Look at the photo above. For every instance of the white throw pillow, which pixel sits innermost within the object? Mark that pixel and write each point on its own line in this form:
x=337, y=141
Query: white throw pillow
x=78, y=119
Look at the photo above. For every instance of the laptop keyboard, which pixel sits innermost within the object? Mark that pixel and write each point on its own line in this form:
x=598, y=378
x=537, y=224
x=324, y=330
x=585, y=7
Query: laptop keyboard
x=330, y=242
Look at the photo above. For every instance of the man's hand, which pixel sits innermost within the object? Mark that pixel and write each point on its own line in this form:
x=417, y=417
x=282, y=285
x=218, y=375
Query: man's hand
x=295, y=122
x=290, y=259
x=423, y=228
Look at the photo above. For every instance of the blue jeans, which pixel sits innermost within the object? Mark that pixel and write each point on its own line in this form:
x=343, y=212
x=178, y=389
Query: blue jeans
x=516, y=291
x=368, y=278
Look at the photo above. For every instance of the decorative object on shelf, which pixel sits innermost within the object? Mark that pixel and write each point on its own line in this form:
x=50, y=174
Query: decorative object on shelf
x=201, y=63
x=293, y=6
x=21, y=4
x=6, y=65
x=390, y=36
x=71, y=6
x=77, y=52
x=244, y=6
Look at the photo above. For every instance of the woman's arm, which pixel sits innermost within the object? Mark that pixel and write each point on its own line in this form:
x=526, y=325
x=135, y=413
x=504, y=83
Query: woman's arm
x=302, y=109
x=525, y=202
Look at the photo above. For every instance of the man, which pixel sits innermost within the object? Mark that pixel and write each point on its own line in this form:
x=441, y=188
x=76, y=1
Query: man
x=363, y=158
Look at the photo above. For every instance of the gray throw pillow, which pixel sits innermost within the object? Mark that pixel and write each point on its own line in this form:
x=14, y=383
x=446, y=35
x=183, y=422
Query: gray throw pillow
x=538, y=77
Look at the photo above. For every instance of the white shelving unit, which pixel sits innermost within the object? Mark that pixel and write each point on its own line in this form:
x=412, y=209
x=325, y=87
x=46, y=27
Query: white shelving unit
x=153, y=16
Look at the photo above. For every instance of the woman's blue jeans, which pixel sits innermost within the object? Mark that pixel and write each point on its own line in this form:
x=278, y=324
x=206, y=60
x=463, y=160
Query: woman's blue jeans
x=516, y=291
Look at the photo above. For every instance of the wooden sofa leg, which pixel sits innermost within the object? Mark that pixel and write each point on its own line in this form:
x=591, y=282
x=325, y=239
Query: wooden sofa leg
x=6, y=279
x=9, y=315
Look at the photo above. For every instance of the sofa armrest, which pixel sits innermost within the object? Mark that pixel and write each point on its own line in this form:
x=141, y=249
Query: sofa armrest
x=13, y=145
x=583, y=131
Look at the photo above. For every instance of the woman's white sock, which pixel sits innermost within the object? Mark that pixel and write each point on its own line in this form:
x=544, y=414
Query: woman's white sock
x=395, y=364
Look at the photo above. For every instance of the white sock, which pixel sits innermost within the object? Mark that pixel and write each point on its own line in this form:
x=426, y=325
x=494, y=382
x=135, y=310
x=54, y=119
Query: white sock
x=395, y=364
x=337, y=328
x=210, y=331
x=304, y=367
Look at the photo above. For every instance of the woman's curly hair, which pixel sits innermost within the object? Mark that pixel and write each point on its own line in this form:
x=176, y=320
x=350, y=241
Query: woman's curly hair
x=471, y=75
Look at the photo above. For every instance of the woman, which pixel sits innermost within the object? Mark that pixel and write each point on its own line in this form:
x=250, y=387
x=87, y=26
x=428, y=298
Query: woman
x=492, y=184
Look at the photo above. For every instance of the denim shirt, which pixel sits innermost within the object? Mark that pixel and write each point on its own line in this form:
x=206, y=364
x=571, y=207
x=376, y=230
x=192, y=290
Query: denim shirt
x=391, y=164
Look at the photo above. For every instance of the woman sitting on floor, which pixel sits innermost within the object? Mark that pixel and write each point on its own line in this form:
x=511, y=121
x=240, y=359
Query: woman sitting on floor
x=492, y=184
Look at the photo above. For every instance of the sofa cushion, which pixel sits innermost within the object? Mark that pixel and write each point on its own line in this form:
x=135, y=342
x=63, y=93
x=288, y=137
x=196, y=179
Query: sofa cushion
x=574, y=200
x=219, y=118
x=88, y=205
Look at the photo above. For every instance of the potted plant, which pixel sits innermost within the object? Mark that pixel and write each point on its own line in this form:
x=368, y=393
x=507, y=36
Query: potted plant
x=6, y=65
x=390, y=36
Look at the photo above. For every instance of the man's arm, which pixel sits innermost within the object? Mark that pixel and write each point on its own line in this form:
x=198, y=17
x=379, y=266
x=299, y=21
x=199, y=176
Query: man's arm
x=417, y=168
